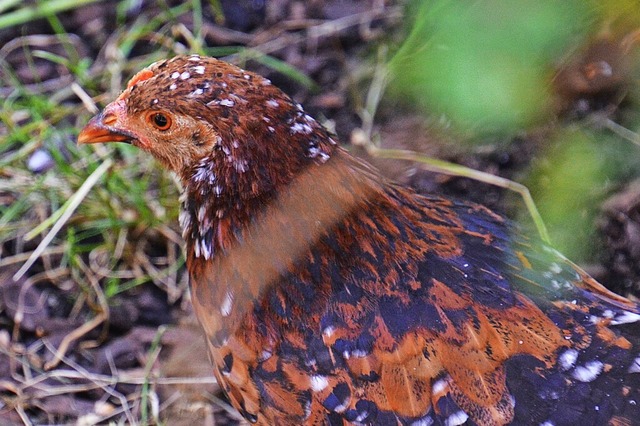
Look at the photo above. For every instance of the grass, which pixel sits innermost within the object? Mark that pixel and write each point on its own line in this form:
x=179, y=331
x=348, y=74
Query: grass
x=135, y=195
x=103, y=217
x=82, y=219
x=26, y=13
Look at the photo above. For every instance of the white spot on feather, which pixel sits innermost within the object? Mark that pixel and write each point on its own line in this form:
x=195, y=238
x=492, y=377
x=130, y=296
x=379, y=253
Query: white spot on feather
x=175, y=75
x=204, y=170
x=425, y=421
x=301, y=128
x=196, y=92
x=588, y=372
x=265, y=355
x=307, y=409
x=457, y=418
x=201, y=212
x=173, y=87
x=359, y=353
x=185, y=75
x=341, y=407
x=635, y=366
x=205, y=248
x=315, y=152
x=227, y=304
x=625, y=318
x=328, y=331
x=273, y=103
x=185, y=221
x=318, y=383
x=438, y=386
x=240, y=165
x=568, y=359
x=227, y=102
x=363, y=415
x=196, y=248
x=199, y=69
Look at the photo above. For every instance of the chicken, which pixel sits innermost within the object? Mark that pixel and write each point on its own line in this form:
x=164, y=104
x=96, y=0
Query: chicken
x=329, y=295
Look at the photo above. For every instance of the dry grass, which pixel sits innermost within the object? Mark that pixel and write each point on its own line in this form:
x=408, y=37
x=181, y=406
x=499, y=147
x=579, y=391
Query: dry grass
x=90, y=232
x=82, y=229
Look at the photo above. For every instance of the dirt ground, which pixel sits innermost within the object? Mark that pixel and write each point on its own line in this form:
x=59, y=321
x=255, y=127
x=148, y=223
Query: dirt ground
x=146, y=362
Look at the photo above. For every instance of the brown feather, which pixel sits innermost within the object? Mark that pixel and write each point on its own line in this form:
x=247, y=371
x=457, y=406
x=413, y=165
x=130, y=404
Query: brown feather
x=329, y=295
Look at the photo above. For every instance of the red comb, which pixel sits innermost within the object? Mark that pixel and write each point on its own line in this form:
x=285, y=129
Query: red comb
x=143, y=75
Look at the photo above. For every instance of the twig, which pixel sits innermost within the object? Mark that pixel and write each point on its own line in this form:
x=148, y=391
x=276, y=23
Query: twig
x=105, y=387
x=364, y=137
x=73, y=336
x=87, y=101
x=451, y=169
x=622, y=131
x=71, y=206
x=146, y=394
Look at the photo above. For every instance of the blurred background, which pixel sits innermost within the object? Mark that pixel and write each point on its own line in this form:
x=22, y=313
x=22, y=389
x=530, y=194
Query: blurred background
x=95, y=319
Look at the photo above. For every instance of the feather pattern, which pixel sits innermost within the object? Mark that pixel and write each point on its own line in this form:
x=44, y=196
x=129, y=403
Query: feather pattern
x=329, y=295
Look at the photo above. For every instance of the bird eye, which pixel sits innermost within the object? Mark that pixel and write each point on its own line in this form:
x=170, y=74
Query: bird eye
x=160, y=121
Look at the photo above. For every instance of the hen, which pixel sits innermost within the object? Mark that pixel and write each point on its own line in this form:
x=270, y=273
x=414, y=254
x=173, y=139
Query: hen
x=329, y=295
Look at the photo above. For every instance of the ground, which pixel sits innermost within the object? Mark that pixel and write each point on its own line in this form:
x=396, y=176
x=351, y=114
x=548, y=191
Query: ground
x=97, y=325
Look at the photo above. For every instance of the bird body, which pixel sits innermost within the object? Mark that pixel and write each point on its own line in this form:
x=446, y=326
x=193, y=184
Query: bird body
x=329, y=295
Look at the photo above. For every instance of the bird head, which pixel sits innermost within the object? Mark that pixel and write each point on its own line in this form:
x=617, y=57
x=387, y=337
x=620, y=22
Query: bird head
x=200, y=116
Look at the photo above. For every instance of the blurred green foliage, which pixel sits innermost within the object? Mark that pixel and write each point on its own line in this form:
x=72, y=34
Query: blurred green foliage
x=485, y=64
x=488, y=67
x=572, y=178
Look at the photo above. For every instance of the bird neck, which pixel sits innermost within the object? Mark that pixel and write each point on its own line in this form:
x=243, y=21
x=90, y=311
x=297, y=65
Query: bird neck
x=225, y=191
x=232, y=259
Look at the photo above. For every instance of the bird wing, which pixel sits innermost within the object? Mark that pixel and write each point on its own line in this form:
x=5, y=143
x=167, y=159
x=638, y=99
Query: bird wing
x=404, y=309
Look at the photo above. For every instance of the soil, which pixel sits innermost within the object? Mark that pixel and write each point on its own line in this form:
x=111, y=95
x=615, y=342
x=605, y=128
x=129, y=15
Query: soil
x=101, y=374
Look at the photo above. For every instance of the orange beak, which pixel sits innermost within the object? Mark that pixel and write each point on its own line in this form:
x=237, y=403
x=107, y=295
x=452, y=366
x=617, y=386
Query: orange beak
x=104, y=127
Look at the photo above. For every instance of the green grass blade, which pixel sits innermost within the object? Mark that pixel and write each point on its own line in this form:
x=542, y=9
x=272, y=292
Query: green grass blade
x=30, y=13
